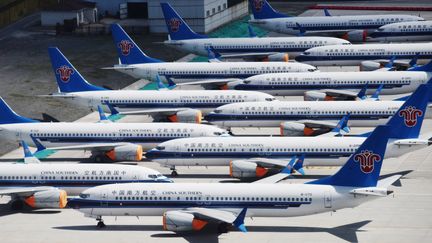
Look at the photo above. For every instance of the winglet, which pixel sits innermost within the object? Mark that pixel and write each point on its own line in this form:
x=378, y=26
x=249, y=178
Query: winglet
x=413, y=62
x=375, y=95
x=290, y=166
x=362, y=93
x=38, y=144
x=213, y=55
x=342, y=125
x=302, y=31
x=327, y=13
x=251, y=31
x=171, y=83
x=102, y=116
x=28, y=156
x=160, y=84
x=239, y=221
x=113, y=110
x=391, y=62
x=298, y=166
x=425, y=68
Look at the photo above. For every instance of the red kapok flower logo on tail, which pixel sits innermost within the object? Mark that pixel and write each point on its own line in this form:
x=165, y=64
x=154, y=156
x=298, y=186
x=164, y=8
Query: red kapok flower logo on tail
x=410, y=115
x=64, y=72
x=258, y=4
x=174, y=24
x=125, y=47
x=367, y=160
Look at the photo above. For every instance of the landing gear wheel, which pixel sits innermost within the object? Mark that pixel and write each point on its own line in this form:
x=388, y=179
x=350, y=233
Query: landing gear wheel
x=100, y=223
x=17, y=205
x=223, y=228
x=174, y=173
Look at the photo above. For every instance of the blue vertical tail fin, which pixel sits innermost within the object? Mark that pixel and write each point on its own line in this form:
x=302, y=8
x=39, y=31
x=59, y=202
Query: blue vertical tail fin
x=68, y=78
x=8, y=116
x=128, y=51
x=178, y=29
x=261, y=9
x=408, y=120
x=363, y=167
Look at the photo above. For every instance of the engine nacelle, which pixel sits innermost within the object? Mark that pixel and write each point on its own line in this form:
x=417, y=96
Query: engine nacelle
x=128, y=152
x=181, y=221
x=53, y=198
x=187, y=116
x=370, y=66
x=233, y=84
x=314, y=96
x=299, y=129
x=278, y=57
x=245, y=169
x=356, y=36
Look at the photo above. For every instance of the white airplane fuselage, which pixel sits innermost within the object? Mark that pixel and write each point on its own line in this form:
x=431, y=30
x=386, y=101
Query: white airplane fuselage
x=296, y=84
x=73, y=178
x=60, y=134
x=405, y=31
x=329, y=24
x=261, y=200
x=244, y=45
x=353, y=55
x=272, y=114
x=319, y=151
x=205, y=70
x=129, y=100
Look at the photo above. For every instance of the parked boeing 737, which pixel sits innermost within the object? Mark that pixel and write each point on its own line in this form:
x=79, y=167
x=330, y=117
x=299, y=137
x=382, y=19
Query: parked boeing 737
x=191, y=206
x=135, y=63
x=354, y=28
x=46, y=185
x=162, y=105
x=335, y=85
x=404, y=31
x=113, y=141
x=255, y=155
x=183, y=38
x=361, y=55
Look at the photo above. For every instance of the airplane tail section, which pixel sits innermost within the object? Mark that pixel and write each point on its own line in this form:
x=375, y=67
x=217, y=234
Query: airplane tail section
x=128, y=51
x=408, y=120
x=178, y=29
x=364, y=166
x=68, y=78
x=261, y=9
x=8, y=116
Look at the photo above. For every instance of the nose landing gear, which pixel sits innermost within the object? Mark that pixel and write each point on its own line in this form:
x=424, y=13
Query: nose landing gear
x=100, y=223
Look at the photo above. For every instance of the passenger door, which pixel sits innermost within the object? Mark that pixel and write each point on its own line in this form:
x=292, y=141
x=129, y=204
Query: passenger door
x=327, y=199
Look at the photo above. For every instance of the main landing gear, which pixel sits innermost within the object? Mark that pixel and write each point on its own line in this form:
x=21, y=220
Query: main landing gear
x=100, y=223
x=173, y=171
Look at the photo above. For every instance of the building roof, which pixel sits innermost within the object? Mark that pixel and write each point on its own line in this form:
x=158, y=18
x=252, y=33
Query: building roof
x=69, y=5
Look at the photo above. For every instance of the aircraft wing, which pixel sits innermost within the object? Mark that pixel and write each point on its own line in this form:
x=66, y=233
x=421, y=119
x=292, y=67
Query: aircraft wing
x=269, y=162
x=90, y=146
x=272, y=179
x=398, y=64
x=212, y=214
x=58, y=95
x=120, y=67
x=318, y=124
x=168, y=111
x=252, y=54
x=24, y=191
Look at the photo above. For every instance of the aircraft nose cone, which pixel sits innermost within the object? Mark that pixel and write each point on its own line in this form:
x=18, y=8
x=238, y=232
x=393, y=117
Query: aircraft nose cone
x=152, y=154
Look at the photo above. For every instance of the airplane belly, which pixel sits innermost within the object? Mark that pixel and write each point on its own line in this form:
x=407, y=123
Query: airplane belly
x=197, y=161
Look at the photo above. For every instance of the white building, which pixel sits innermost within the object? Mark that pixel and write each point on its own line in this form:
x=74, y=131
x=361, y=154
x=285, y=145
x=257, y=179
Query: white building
x=78, y=11
x=202, y=15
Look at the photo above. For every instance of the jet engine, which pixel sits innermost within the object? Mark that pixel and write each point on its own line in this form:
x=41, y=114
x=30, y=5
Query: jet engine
x=243, y=169
x=53, y=198
x=128, y=152
x=314, y=96
x=356, y=36
x=278, y=57
x=187, y=116
x=181, y=221
x=370, y=66
x=299, y=129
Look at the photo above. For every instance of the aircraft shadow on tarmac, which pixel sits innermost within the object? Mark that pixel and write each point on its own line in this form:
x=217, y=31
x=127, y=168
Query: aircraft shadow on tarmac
x=5, y=209
x=347, y=232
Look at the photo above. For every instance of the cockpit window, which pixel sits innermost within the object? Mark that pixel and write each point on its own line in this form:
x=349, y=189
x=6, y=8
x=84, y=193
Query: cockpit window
x=346, y=43
x=84, y=195
x=270, y=99
x=312, y=69
x=160, y=147
x=217, y=133
x=152, y=176
x=217, y=111
x=246, y=81
x=306, y=53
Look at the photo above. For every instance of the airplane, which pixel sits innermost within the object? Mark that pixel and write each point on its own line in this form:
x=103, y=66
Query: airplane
x=404, y=31
x=257, y=155
x=47, y=185
x=191, y=206
x=354, y=28
x=134, y=62
x=331, y=85
x=162, y=105
x=362, y=54
x=106, y=141
x=183, y=38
